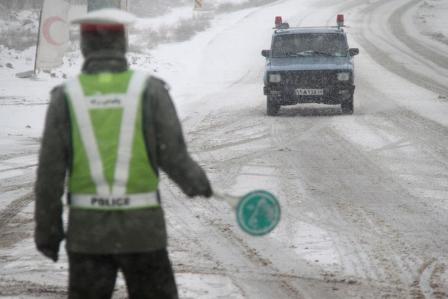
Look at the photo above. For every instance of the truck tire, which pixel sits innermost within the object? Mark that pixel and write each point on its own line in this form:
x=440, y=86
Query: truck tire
x=272, y=107
x=347, y=107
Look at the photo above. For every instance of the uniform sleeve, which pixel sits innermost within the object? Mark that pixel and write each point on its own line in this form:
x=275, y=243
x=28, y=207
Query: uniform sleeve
x=171, y=150
x=51, y=171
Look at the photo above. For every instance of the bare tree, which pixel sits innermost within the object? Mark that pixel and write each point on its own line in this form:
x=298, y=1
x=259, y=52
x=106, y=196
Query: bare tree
x=30, y=4
x=20, y=4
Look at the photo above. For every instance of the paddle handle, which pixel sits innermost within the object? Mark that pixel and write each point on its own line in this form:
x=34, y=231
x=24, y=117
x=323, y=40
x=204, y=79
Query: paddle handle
x=230, y=199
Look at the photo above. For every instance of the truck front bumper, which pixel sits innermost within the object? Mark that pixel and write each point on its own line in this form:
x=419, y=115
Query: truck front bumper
x=335, y=94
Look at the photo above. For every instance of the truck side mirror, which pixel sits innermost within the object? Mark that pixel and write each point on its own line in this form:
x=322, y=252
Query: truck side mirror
x=265, y=53
x=353, y=51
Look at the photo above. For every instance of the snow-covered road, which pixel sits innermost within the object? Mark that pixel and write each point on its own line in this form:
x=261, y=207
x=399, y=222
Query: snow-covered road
x=364, y=197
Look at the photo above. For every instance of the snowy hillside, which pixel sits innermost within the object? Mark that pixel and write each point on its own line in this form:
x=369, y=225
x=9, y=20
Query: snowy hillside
x=364, y=196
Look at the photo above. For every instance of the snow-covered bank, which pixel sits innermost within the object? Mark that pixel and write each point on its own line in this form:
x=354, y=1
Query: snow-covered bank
x=363, y=196
x=179, y=24
x=432, y=20
x=18, y=30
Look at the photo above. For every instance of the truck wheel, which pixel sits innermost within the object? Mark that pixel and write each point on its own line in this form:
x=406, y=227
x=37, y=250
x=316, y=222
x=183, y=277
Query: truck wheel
x=347, y=107
x=272, y=107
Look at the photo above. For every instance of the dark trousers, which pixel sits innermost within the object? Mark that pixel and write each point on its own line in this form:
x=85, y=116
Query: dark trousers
x=147, y=275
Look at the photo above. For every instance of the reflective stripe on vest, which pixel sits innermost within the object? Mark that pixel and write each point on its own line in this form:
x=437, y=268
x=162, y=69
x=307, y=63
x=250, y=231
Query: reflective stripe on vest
x=111, y=202
x=114, y=195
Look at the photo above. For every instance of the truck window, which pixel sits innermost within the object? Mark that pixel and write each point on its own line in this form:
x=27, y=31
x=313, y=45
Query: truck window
x=309, y=44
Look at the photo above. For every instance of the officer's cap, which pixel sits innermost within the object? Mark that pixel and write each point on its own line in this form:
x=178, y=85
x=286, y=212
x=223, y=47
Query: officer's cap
x=108, y=19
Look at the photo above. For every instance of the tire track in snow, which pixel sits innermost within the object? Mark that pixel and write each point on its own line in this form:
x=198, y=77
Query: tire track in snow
x=23, y=181
x=13, y=155
x=8, y=214
x=321, y=209
x=229, y=170
x=411, y=130
x=13, y=209
x=361, y=217
x=233, y=170
x=400, y=32
x=362, y=263
x=225, y=230
x=14, y=288
x=390, y=257
x=235, y=270
x=307, y=133
x=18, y=168
x=426, y=142
x=364, y=33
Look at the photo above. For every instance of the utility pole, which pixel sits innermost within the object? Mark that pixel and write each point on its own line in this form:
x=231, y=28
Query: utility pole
x=98, y=4
x=125, y=5
x=198, y=4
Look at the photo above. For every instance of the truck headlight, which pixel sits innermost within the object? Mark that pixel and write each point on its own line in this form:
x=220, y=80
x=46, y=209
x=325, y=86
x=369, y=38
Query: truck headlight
x=343, y=76
x=275, y=78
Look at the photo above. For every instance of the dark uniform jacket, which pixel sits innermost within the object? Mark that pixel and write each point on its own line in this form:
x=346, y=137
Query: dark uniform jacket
x=110, y=232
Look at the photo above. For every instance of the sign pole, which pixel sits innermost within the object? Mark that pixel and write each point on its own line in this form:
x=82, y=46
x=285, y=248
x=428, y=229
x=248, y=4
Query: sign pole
x=38, y=41
x=33, y=73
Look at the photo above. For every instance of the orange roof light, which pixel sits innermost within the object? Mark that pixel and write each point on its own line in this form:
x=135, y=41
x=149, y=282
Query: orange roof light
x=340, y=20
x=278, y=21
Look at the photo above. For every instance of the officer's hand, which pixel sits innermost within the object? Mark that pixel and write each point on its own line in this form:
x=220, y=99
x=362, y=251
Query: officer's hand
x=202, y=189
x=208, y=192
x=50, y=252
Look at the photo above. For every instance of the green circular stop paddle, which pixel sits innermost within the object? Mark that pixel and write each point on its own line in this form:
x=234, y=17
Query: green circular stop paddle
x=257, y=213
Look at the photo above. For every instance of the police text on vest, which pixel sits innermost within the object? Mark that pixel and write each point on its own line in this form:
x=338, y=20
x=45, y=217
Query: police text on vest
x=110, y=201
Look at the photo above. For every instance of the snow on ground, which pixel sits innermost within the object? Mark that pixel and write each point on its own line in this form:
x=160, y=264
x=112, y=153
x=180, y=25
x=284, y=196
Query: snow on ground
x=17, y=117
x=431, y=19
x=170, y=19
x=22, y=102
x=213, y=73
x=23, y=105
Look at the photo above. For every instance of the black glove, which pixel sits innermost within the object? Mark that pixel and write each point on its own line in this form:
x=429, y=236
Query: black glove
x=50, y=251
x=200, y=189
x=207, y=192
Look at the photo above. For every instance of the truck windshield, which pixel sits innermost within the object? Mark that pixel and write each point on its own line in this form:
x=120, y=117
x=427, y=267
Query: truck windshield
x=309, y=44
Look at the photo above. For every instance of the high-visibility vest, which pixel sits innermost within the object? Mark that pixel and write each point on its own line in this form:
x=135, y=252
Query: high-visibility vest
x=111, y=169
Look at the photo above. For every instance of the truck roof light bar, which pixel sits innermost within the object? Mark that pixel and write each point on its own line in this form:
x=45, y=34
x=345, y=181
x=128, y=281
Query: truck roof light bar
x=340, y=20
x=278, y=21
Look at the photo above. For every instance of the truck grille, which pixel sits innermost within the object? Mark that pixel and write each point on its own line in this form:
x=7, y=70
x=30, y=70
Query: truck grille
x=309, y=79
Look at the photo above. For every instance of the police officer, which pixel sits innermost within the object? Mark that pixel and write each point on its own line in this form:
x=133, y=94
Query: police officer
x=110, y=130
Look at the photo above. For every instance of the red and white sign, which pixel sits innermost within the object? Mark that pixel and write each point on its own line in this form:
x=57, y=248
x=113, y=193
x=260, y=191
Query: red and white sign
x=53, y=34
